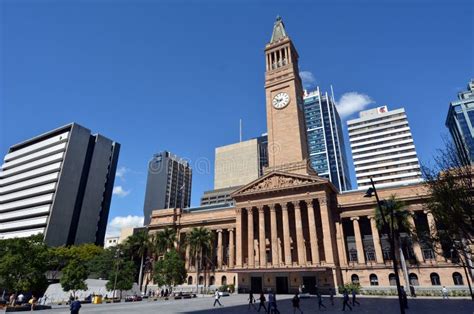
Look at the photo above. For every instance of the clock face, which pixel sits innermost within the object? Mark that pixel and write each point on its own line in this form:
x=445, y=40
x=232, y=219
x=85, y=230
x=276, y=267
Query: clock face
x=281, y=100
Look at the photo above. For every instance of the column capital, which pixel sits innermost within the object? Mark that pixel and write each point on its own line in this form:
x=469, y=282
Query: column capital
x=297, y=204
x=230, y=229
x=354, y=218
x=272, y=206
x=427, y=211
x=322, y=200
x=261, y=209
x=238, y=210
x=371, y=217
x=308, y=201
x=250, y=211
x=219, y=230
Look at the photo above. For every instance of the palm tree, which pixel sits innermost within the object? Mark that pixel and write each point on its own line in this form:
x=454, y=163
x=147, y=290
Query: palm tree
x=164, y=240
x=138, y=246
x=200, y=243
x=401, y=223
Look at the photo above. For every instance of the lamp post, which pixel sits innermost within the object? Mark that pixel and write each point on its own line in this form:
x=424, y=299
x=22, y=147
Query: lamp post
x=391, y=239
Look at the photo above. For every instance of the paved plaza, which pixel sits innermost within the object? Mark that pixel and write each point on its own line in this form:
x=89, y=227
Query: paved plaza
x=238, y=304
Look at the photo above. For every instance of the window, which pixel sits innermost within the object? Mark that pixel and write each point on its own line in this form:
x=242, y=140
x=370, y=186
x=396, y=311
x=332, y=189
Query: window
x=374, y=281
x=435, y=279
x=413, y=278
x=223, y=280
x=457, y=279
x=190, y=280
x=355, y=279
x=392, y=280
x=201, y=280
x=353, y=255
x=212, y=280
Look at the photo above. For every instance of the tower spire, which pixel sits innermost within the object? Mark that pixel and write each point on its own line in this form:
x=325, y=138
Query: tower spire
x=279, y=31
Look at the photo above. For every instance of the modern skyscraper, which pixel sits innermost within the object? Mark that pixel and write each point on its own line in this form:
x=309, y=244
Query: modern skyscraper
x=59, y=184
x=240, y=163
x=168, y=184
x=383, y=149
x=460, y=122
x=325, y=139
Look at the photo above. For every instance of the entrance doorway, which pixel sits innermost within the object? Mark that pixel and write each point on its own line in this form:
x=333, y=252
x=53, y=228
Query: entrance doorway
x=309, y=284
x=282, y=285
x=256, y=284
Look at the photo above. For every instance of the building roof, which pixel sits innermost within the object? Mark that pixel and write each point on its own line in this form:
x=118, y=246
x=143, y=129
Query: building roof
x=279, y=31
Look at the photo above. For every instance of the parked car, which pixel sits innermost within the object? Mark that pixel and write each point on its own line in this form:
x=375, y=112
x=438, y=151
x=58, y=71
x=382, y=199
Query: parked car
x=224, y=293
x=133, y=298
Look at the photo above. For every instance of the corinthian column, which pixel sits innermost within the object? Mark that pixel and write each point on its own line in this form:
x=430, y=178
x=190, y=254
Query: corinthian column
x=434, y=234
x=299, y=235
x=326, y=224
x=231, y=248
x=376, y=239
x=358, y=240
x=274, y=234
x=250, y=244
x=238, y=237
x=219, y=249
x=286, y=234
x=416, y=244
x=313, y=237
x=261, y=237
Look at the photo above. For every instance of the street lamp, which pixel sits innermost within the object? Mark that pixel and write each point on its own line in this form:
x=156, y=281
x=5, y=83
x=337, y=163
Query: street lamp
x=370, y=192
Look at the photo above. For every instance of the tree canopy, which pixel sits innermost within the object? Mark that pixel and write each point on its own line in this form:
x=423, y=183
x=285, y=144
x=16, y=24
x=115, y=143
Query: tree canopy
x=170, y=270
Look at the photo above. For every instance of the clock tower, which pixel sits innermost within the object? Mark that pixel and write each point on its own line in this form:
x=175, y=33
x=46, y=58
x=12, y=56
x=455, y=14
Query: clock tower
x=287, y=146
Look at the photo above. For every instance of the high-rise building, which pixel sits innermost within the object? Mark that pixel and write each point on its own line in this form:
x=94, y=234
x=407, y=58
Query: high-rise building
x=168, y=184
x=325, y=139
x=58, y=184
x=460, y=122
x=240, y=163
x=383, y=149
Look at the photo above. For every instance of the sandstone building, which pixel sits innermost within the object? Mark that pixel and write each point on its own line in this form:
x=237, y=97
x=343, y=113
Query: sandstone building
x=290, y=227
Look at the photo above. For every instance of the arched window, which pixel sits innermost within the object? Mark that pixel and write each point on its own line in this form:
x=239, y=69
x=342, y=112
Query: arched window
x=234, y=280
x=435, y=279
x=457, y=278
x=201, y=280
x=224, y=280
x=355, y=278
x=392, y=280
x=212, y=281
x=190, y=280
x=374, y=281
x=413, y=278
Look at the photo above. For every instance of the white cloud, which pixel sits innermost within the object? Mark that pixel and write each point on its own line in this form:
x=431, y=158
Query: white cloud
x=352, y=102
x=120, y=192
x=120, y=173
x=119, y=222
x=308, y=79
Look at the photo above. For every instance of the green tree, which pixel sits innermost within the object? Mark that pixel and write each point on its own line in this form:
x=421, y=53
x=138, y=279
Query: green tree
x=164, y=240
x=170, y=270
x=74, y=277
x=122, y=276
x=400, y=224
x=102, y=264
x=137, y=246
x=23, y=264
x=200, y=243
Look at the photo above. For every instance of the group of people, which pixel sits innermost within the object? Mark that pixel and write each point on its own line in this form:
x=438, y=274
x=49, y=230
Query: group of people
x=272, y=305
x=21, y=299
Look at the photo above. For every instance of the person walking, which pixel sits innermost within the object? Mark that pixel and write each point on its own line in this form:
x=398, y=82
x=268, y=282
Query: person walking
x=404, y=297
x=331, y=296
x=320, y=301
x=412, y=291
x=296, y=303
x=354, y=301
x=75, y=306
x=32, y=302
x=251, y=301
x=272, y=305
x=262, y=302
x=217, y=296
x=445, y=293
x=345, y=300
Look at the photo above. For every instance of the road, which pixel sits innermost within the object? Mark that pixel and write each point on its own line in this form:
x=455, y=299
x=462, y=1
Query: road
x=238, y=304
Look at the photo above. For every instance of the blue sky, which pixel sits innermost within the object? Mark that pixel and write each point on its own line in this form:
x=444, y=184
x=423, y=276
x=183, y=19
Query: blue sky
x=178, y=75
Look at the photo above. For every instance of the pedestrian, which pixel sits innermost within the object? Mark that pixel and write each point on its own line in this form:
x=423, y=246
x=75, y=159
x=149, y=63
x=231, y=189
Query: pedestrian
x=217, y=296
x=331, y=296
x=320, y=301
x=404, y=297
x=75, y=306
x=412, y=291
x=251, y=301
x=345, y=300
x=272, y=305
x=445, y=292
x=21, y=298
x=262, y=302
x=12, y=299
x=32, y=302
x=354, y=301
x=296, y=303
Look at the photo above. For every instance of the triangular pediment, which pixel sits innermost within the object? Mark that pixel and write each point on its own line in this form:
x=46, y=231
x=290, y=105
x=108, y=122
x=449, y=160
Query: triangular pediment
x=277, y=181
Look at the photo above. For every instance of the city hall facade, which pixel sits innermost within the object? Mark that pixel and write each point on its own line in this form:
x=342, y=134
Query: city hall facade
x=291, y=228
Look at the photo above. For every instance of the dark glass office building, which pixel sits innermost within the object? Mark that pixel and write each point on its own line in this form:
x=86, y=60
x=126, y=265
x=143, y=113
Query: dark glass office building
x=460, y=122
x=325, y=139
